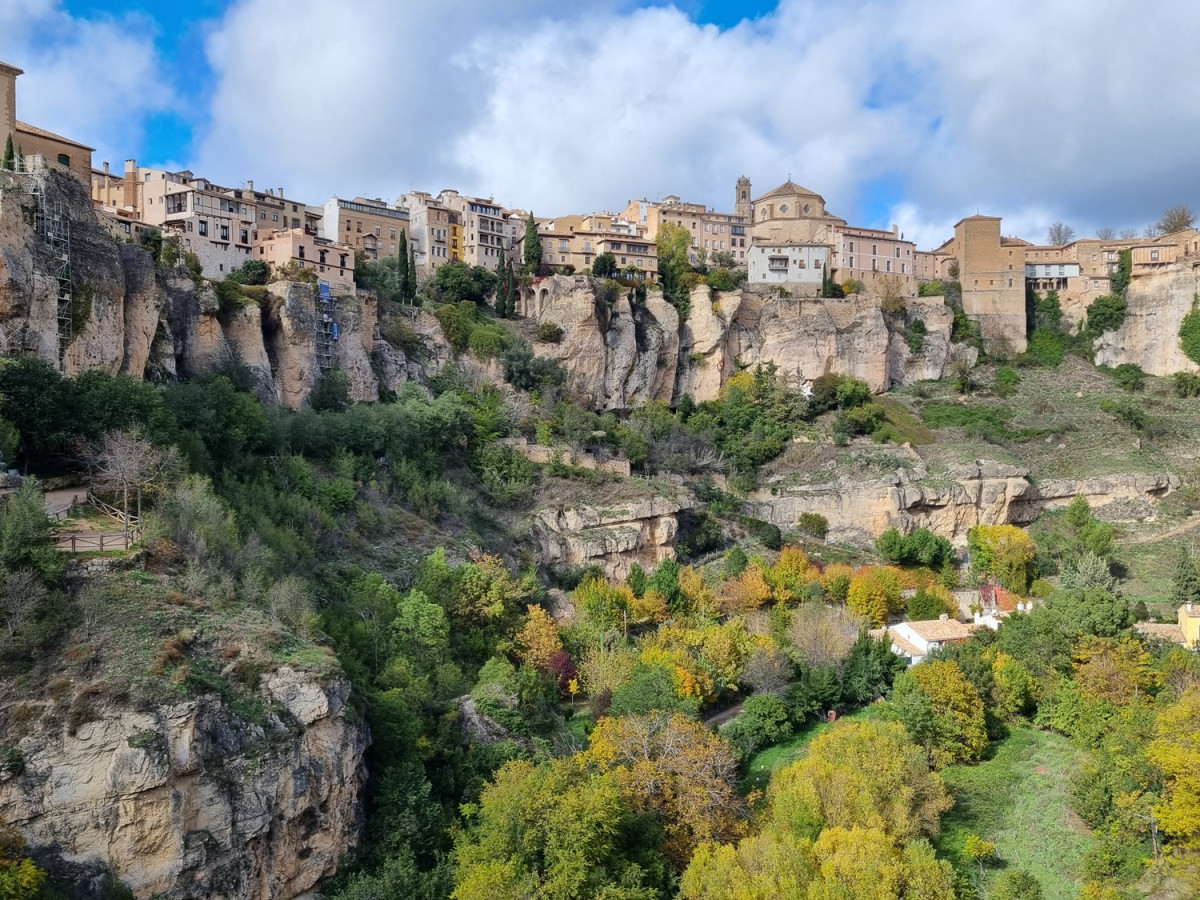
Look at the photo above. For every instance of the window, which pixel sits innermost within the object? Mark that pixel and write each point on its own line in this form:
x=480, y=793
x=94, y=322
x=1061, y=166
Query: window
x=874, y=264
x=63, y=159
x=889, y=265
x=189, y=226
x=245, y=236
x=274, y=217
x=852, y=249
x=1153, y=256
x=321, y=254
x=203, y=227
x=897, y=253
x=301, y=253
x=224, y=232
x=852, y=262
x=1010, y=282
x=874, y=249
x=392, y=233
x=378, y=231
x=295, y=223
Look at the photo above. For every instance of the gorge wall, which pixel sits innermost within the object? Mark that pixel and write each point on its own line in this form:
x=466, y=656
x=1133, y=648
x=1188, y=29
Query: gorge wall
x=188, y=800
x=1149, y=336
x=131, y=317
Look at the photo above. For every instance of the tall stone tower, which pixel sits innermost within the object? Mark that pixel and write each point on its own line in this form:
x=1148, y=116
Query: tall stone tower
x=8, y=102
x=742, y=206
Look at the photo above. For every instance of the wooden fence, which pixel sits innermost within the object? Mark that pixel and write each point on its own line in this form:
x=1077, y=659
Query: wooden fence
x=91, y=542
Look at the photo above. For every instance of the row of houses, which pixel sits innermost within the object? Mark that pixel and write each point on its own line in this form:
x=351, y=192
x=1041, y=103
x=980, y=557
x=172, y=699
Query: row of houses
x=785, y=238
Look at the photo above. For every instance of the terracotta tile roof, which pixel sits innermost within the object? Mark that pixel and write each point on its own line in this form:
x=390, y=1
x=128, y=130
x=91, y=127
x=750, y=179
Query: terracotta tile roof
x=41, y=132
x=904, y=646
x=941, y=630
x=1155, y=630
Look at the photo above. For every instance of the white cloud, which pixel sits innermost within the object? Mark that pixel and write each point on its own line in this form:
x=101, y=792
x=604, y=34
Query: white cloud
x=92, y=80
x=1035, y=110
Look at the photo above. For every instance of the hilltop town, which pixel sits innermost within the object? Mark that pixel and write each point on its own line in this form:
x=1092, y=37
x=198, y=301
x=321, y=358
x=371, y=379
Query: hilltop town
x=782, y=240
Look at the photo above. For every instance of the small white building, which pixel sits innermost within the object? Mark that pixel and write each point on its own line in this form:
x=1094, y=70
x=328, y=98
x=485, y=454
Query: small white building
x=916, y=640
x=793, y=266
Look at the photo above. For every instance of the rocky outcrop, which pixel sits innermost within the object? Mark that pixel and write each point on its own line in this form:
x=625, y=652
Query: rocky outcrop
x=636, y=531
x=985, y=493
x=190, y=801
x=622, y=355
x=132, y=317
x=1149, y=336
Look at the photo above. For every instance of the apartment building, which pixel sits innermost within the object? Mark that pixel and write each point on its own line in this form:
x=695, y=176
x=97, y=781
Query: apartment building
x=372, y=227
x=429, y=230
x=797, y=267
x=33, y=141
x=213, y=222
x=882, y=260
x=711, y=231
x=486, y=237
x=302, y=249
x=577, y=240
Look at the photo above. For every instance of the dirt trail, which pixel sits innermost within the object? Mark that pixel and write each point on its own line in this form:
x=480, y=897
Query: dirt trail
x=1163, y=535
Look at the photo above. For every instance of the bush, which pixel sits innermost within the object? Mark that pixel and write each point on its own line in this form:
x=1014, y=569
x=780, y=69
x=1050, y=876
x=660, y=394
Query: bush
x=457, y=321
x=914, y=334
x=252, y=271
x=1006, y=381
x=489, y=341
x=331, y=393
x=549, y=333
x=1130, y=376
x=527, y=372
x=507, y=476
x=1127, y=413
x=764, y=721
x=400, y=334
x=813, y=524
x=1189, y=332
x=1186, y=384
x=1105, y=314
x=921, y=548
x=1045, y=348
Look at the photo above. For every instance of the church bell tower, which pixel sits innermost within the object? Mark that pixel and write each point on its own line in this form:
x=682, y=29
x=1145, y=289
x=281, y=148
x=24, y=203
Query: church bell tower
x=742, y=206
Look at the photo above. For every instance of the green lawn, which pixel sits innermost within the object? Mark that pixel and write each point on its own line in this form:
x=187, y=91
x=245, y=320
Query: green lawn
x=758, y=773
x=1018, y=800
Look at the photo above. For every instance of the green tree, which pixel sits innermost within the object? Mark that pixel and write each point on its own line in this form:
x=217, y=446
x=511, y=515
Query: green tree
x=551, y=831
x=20, y=879
x=1121, y=277
x=402, y=272
x=605, y=265
x=976, y=848
x=942, y=712
x=1175, y=218
x=1189, y=341
x=456, y=282
x=859, y=774
x=674, y=243
x=410, y=285
x=9, y=158
x=1016, y=884
x=533, y=245
x=1106, y=313
x=1185, y=586
x=36, y=399
x=252, y=271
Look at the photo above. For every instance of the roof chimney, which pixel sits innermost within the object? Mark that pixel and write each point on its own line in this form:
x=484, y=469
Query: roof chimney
x=281, y=192
x=105, y=168
x=250, y=185
x=1189, y=607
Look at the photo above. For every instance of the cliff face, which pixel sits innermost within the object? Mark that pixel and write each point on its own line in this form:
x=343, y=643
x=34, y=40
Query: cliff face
x=623, y=355
x=131, y=317
x=1149, y=336
x=189, y=801
x=986, y=493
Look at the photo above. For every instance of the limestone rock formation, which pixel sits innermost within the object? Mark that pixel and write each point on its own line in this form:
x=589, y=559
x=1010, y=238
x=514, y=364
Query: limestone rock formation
x=985, y=493
x=189, y=801
x=635, y=531
x=1149, y=336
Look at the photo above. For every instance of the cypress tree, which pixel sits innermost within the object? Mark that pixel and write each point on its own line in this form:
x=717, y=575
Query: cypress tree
x=533, y=245
x=9, y=156
x=410, y=289
x=402, y=266
x=501, y=289
x=510, y=286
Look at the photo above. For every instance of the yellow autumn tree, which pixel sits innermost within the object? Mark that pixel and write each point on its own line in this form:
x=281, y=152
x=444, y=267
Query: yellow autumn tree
x=836, y=581
x=701, y=599
x=860, y=774
x=772, y=865
x=606, y=668
x=874, y=593
x=538, y=638
x=1113, y=670
x=745, y=593
x=790, y=575
x=676, y=769
x=1176, y=751
x=1003, y=551
x=651, y=607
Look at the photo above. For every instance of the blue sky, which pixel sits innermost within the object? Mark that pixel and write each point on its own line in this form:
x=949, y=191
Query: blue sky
x=897, y=111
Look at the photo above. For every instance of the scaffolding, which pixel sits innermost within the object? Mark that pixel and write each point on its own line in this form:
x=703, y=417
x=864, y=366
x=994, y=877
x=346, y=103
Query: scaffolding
x=55, y=228
x=327, y=330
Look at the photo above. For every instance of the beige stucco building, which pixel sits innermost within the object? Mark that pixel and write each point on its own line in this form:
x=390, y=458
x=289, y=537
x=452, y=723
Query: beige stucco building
x=429, y=230
x=577, y=240
x=798, y=268
x=29, y=140
x=372, y=227
x=331, y=262
x=711, y=231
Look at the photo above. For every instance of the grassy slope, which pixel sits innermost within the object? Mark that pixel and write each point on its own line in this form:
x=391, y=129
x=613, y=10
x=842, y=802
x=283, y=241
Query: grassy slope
x=1017, y=799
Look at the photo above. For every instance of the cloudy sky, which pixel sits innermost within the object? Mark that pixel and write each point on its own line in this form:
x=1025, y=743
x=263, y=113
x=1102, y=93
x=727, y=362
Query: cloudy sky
x=907, y=111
